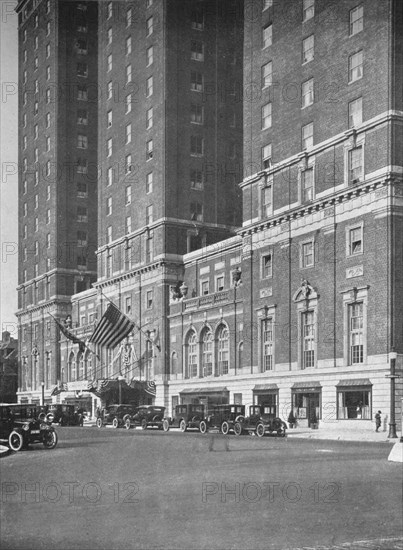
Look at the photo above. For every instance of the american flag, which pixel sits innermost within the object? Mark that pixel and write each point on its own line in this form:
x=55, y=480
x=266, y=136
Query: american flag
x=113, y=327
x=150, y=388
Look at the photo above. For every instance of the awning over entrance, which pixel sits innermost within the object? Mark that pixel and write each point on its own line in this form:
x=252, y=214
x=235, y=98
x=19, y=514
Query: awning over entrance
x=265, y=387
x=306, y=387
x=216, y=389
x=354, y=382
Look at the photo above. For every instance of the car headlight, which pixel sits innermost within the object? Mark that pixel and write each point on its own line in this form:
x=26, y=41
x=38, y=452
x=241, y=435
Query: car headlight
x=25, y=427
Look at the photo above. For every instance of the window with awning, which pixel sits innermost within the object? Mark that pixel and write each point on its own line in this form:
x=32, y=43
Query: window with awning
x=354, y=399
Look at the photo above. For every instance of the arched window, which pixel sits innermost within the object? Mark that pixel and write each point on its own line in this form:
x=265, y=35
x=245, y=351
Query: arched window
x=207, y=353
x=71, y=368
x=192, y=363
x=240, y=355
x=223, y=350
x=80, y=364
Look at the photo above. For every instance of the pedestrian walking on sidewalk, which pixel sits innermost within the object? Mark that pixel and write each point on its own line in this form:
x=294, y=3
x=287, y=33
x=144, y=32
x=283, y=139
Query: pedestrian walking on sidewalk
x=378, y=420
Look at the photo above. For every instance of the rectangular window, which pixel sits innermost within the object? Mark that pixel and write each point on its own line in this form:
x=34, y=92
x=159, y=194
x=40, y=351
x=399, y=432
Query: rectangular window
x=149, y=183
x=128, y=45
x=150, y=26
x=354, y=403
x=150, y=247
x=196, y=146
x=308, y=9
x=355, y=241
x=128, y=194
x=47, y=168
x=128, y=304
x=356, y=332
x=267, y=201
x=197, y=50
x=308, y=339
x=307, y=254
x=355, y=162
x=267, y=76
x=48, y=192
x=307, y=136
x=82, y=142
x=110, y=90
x=47, y=120
x=355, y=69
x=109, y=119
x=82, y=238
x=219, y=283
x=149, y=3
x=109, y=240
x=267, y=266
x=109, y=176
x=128, y=133
x=308, y=49
x=307, y=93
x=128, y=164
x=82, y=117
x=266, y=116
x=196, y=211
x=150, y=55
x=47, y=73
x=149, y=214
x=198, y=19
x=129, y=17
x=36, y=225
x=268, y=342
x=149, y=118
x=267, y=36
x=355, y=113
x=128, y=225
x=82, y=192
x=149, y=150
x=82, y=215
x=356, y=20
x=82, y=69
x=196, y=81
x=109, y=206
x=266, y=156
x=82, y=93
x=196, y=114
x=149, y=299
x=109, y=147
x=149, y=86
x=82, y=47
x=82, y=166
x=48, y=144
x=128, y=74
x=47, y=55
x=82, y=27
x=110, y=10
x=128, y=103
x=204, y=288
x=109, y=63
x=307, y=185
x=267, y=4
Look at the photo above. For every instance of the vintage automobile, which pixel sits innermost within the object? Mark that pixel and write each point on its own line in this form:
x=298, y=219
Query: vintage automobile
x=223, y=418
x=146, y=416
x=65, y=415
x=20, y=425
x=115, y=415
x=260, y=421
x=185, y=417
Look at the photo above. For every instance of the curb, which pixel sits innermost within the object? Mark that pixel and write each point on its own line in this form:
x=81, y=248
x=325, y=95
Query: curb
x=4, y=450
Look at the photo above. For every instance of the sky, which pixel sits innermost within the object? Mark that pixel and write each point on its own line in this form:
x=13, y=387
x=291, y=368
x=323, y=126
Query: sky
x=8, y=166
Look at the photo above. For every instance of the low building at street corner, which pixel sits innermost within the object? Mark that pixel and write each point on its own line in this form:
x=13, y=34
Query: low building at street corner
x=297, y=304
x=8, y=368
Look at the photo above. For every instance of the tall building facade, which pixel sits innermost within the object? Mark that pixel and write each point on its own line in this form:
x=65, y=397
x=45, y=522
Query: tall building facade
x=58, y=110
x=302, y=312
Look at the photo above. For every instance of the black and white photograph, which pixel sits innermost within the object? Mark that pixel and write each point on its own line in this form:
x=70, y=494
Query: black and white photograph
x=201, y=274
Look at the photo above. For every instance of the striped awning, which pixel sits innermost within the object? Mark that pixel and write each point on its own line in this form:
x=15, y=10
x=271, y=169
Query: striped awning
x=215, y=389
x=354, y=382
x=265, y=387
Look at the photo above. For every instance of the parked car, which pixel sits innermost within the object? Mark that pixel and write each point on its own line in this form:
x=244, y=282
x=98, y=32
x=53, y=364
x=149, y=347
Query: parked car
x=185, y=417
x=115, y=415
x=65, y=415
x=260, y=421
x=223, y=418
x=20, y=425
x=146, y=416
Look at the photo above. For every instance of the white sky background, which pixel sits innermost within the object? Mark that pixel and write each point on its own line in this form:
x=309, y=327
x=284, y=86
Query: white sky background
x=8, y=162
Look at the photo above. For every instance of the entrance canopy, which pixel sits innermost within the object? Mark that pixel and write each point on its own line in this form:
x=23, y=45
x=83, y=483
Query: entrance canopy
x=306, y=387
x=216, y=389
x=260, y=388
x=354, y=383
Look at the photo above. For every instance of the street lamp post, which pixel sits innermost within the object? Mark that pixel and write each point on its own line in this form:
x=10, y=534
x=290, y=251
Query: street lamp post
x=43, y=393
x=392, y=424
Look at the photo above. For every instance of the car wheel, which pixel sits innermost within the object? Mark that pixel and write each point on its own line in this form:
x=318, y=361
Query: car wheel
x=183, y=426
x=115, y=423
x=203, y=427
x=165, y=425
x=237, y=428
x=260, y=430
x=225, y=428
x=49, y=439
x=127, y=424
x=144, y=424
x=99, y=422
x=16, y=441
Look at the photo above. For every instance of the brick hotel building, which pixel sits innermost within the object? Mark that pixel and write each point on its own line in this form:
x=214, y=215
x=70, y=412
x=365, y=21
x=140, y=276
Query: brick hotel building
x=300, y=308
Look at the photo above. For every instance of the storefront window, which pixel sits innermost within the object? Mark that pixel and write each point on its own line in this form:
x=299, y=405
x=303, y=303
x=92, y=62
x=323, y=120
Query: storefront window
x=306, y=406
x=354, y=404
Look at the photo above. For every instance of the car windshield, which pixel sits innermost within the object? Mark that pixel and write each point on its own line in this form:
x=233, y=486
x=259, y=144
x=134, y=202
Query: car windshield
x=198, y=408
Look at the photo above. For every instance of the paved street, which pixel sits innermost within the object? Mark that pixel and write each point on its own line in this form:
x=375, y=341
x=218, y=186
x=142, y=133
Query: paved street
x=115, y=489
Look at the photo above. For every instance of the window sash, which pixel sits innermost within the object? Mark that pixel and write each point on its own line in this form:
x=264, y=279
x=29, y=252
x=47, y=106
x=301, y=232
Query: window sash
x=356, y=20
x=355, y=66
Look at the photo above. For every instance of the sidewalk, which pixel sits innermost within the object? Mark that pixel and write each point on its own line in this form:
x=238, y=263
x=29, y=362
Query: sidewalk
x=342, y=435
